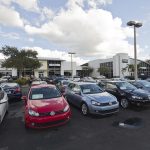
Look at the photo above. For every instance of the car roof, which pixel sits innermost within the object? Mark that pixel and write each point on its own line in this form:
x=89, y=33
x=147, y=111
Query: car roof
x=43, y=85
x=82, y=83
x=115, y=81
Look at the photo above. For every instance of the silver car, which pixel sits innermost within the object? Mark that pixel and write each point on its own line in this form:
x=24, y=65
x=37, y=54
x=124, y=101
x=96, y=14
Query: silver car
x=91, y=99
x=3, y=104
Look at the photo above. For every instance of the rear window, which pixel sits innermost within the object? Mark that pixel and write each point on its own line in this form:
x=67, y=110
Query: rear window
x=44, y=93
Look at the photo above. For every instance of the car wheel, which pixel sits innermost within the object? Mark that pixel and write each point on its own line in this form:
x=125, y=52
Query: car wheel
x=84, y=109
x=124, y=103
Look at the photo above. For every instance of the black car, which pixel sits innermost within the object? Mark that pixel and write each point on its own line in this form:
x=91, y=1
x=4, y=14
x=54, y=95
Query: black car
x=127, y=93
x=142, y=84
x=13, y=91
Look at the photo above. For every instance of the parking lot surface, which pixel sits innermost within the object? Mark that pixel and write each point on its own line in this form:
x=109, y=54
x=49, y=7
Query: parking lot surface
x=81, y=133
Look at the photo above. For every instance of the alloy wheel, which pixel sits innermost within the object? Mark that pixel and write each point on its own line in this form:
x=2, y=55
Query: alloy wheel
x=124, y=103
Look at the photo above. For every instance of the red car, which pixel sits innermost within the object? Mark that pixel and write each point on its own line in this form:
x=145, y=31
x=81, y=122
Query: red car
x=45, y=107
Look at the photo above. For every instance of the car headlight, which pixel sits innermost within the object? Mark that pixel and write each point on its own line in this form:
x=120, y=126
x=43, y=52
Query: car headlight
x=33, y=113
x=95, y=103
x=66, y=108
x=136, y=97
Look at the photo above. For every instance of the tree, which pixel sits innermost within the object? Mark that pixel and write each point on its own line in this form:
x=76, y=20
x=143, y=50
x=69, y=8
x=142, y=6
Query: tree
x=87, y=71
x=20, y=59
x=104, y=71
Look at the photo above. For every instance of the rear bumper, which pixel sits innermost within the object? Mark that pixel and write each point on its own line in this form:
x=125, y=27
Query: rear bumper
x=47, y=121
x=14, y=96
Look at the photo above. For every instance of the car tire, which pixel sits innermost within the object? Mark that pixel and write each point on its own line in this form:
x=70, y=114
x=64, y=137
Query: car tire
x=124, y=103
x=84, y=109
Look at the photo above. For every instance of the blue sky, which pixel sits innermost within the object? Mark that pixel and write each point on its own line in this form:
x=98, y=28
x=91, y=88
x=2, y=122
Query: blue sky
x=93, y=29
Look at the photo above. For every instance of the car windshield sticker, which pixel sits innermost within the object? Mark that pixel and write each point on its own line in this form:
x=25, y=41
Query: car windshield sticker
x=37, y=96
x=86, y=91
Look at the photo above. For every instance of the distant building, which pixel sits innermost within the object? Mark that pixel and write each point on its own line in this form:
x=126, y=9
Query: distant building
x=50, y=66
x=117, y=66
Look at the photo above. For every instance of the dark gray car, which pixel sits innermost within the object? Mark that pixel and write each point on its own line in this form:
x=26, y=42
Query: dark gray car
x=91, y=98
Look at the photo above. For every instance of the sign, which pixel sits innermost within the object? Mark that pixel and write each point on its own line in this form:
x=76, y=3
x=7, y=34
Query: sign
x=54, y=64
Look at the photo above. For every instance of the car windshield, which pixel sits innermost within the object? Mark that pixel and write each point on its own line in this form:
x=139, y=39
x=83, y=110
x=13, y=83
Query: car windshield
x=145, y=83
x=90, y=89
x=125, y=86
x=44, y=93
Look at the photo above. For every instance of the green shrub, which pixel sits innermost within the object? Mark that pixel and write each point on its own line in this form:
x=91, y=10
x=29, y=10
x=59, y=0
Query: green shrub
x=22, y=81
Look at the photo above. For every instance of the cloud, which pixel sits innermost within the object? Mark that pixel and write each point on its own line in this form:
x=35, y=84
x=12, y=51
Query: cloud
x=93, y=32
x=10, y=17
x=30, y=5
x=56, y=54
x=11, y=35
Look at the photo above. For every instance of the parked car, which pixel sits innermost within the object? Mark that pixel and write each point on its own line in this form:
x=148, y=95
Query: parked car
x=88, y=79
x=13, y=90
x=45, y=107
x=127, y=93
x=5, y=79
x=3, y=104
x=91, y=99
x=62, y=85
x=141, y=84
x=38, y=82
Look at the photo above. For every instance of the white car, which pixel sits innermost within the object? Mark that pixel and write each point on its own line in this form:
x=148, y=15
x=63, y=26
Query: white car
x=3, y=104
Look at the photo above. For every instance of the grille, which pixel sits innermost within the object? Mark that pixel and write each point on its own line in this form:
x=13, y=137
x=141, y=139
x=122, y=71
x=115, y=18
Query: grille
x=109, y=111
x=48, y=113
x=50, y=123
x=108, y=104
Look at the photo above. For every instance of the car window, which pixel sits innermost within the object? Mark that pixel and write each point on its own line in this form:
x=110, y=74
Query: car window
x=145, y=83
x=71, y=86
x=1, y=95
x=90, y=89
x=111, y=86
x=125, y=86
x=44, y=93
x=76, y=88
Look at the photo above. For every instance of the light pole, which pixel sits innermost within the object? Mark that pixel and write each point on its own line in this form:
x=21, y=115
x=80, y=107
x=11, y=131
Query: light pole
x=135, y=25
x=71, y=53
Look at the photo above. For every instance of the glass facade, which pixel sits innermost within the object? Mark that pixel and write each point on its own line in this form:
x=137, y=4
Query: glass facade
x=109, y=69
x=54, y=67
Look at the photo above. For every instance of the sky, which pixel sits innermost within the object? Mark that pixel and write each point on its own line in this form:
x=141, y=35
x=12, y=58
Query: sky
x=93, y=29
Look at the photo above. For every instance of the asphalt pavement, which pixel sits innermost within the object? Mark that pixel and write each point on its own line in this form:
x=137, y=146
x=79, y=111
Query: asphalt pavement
x=81, y=133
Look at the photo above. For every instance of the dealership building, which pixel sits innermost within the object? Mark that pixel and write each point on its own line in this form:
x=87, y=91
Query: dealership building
x=117, y=66
x=49, y=67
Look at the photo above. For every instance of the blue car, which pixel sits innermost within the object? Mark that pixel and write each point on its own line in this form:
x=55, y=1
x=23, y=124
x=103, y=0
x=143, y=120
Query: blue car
x=91, y=99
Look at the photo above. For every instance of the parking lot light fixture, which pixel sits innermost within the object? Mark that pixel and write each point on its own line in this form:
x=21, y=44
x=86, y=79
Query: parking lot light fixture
x=135, y=25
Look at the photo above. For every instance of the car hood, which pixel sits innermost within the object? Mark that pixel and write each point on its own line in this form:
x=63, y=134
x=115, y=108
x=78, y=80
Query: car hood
x=102, y=97
x=138, y=92
x=47, y=105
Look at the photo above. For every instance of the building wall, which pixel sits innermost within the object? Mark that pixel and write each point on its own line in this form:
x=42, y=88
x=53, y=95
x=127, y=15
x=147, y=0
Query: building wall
x=66, y=67
x=120, y=61
x=42, y=70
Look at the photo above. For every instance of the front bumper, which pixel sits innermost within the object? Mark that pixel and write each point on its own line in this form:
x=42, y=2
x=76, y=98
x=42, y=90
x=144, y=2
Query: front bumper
x=47, y=121
x=99, y=110
x=140, y=102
